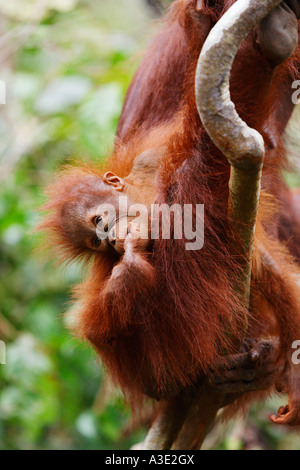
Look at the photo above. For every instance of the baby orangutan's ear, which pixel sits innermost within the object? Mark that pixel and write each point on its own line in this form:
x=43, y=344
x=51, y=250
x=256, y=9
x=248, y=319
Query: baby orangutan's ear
x=114, y=180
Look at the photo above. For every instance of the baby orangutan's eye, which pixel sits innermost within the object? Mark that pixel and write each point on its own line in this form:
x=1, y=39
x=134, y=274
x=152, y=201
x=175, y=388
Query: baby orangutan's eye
x=97, y=220
x=97, y=242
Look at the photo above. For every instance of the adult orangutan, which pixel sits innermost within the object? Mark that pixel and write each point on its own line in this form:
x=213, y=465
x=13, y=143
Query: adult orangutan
x=161, y=316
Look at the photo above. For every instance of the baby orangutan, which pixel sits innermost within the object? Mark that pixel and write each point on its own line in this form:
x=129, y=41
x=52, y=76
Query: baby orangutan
x=158, y=314
x=94, y=213
x=85, y=214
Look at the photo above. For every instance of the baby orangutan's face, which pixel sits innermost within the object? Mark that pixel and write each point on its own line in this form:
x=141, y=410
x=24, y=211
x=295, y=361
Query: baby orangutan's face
x=89, y=221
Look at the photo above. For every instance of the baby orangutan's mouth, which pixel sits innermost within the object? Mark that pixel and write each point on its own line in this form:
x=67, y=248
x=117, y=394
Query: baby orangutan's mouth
x=112, y=237
x=121, y=228
x=118, y=233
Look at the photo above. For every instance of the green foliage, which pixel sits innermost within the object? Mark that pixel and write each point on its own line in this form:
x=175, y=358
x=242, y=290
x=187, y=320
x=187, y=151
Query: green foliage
x=67, y=65
x=66, y=81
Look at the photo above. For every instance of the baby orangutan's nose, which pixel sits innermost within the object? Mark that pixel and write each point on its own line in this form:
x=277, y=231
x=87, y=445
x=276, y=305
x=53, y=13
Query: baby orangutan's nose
x=112, y=236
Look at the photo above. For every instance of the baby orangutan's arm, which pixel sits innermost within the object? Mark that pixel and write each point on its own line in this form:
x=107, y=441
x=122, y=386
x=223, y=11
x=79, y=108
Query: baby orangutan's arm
x=132, y=278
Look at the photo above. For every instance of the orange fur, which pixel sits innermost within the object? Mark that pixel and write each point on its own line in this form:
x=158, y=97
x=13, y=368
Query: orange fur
x=163, y=323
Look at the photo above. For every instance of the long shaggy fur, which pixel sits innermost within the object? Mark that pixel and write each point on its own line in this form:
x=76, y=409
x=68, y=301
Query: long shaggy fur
x=171, y=316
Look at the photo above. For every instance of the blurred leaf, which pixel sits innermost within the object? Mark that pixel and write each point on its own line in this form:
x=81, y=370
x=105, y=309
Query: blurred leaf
x=62, y=93
x=34, y=10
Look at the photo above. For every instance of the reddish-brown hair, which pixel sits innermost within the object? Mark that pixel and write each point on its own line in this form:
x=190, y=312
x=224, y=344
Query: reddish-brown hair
x=159, y=337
